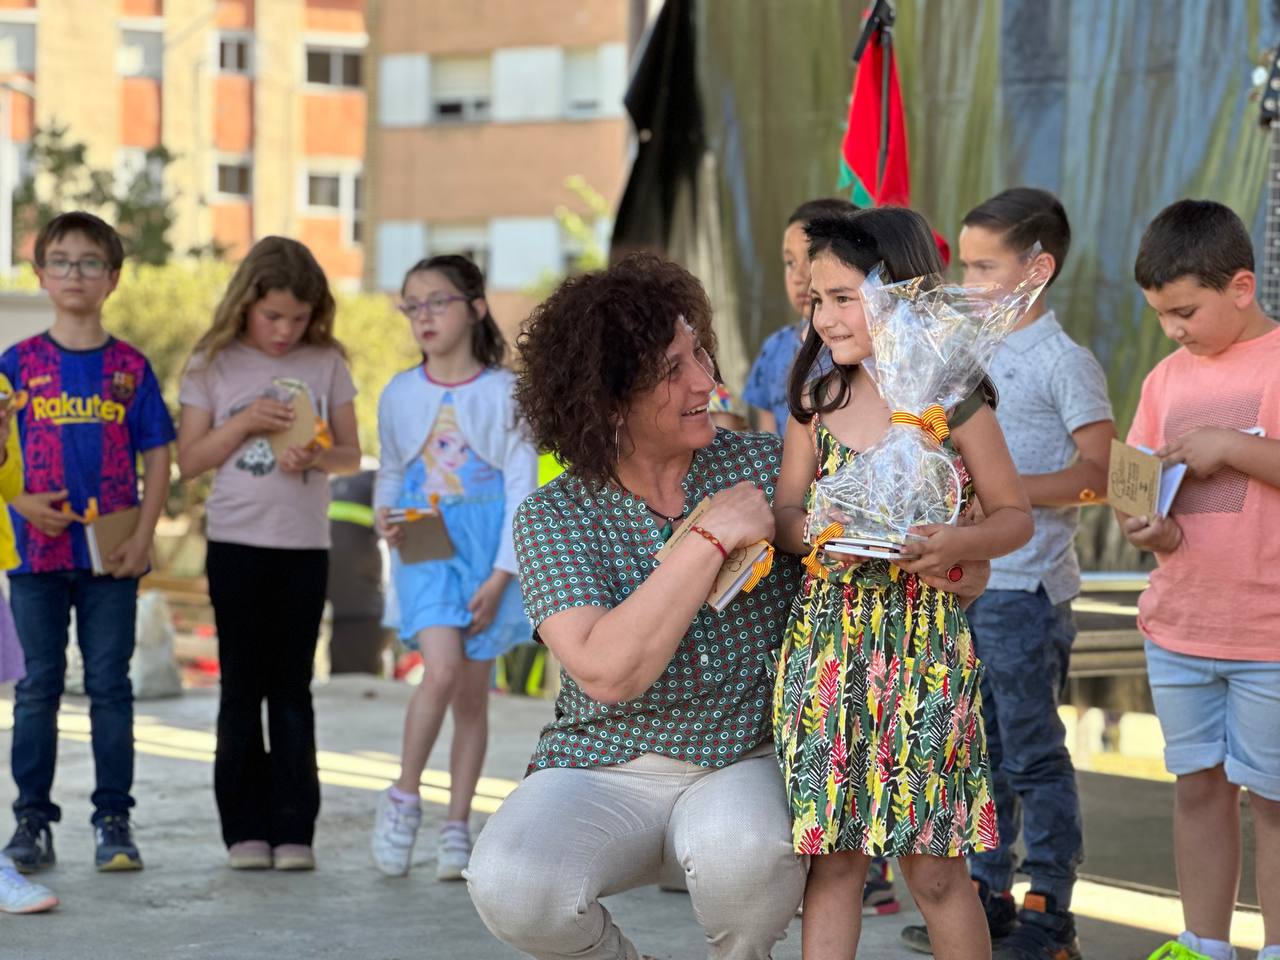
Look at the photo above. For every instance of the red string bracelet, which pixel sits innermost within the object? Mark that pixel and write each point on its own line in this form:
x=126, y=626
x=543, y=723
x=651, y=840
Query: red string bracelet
x=712, y=539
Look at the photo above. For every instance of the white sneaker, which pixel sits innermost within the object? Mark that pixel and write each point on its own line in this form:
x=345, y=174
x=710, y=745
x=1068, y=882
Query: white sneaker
x=395, y=828
x=453, y=852
x=20, y=895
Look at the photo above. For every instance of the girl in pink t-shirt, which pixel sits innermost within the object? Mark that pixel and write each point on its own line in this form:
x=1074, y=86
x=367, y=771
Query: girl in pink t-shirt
x=269, y=357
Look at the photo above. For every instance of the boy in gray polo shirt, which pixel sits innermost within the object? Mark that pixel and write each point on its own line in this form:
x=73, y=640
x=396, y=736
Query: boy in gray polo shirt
x=1056, y=417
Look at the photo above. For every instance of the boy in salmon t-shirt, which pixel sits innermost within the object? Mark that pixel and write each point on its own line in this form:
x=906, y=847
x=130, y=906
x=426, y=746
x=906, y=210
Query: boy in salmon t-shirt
x=1212, y=613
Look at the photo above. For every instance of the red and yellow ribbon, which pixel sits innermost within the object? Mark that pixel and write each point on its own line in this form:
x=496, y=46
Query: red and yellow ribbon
x=323, y=439
x=760, y=569
x=14, y=401
x=933, y=421
x=90, y=512
x=411, y=514
x=811, y=562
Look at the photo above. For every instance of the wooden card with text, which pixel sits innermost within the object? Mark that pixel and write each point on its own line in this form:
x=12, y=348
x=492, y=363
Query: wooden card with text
x=303, y=429
x=734, y=572
x=1139, y=483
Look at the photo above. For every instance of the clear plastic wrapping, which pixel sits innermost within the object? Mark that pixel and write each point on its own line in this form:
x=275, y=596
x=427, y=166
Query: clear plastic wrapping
x=932, y=342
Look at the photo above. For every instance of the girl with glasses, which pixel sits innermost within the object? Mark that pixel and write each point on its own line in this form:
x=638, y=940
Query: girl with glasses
x=450, y=440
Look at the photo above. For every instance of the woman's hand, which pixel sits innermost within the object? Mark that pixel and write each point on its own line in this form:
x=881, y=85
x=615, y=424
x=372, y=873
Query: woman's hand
x=739, y=516
x=393, y=533
x=484, y=603
x=299, y=459
x=265, y=415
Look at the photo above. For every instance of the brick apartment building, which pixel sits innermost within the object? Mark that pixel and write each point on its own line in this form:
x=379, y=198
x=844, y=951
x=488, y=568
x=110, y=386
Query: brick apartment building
x=478, y=111
x=261, y=101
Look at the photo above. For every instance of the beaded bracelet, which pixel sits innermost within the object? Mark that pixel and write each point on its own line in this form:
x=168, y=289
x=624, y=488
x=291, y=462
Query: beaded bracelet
x=710, y=537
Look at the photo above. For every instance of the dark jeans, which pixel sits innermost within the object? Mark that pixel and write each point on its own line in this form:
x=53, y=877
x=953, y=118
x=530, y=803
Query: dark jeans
x=267, y=605
x=105, y=614
x=1024, y=642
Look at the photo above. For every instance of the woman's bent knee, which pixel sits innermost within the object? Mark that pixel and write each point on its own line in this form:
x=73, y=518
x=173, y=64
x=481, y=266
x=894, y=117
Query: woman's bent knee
x=518, y=895
x=751, y=894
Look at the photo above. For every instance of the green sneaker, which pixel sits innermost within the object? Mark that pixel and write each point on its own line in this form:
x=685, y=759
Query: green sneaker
x=1186, y=947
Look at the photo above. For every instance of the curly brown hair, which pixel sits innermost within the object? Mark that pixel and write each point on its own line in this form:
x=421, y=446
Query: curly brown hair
x=595, y=343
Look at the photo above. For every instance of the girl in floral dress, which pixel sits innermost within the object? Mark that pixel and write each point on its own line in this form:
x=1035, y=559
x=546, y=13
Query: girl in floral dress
x=877, y=714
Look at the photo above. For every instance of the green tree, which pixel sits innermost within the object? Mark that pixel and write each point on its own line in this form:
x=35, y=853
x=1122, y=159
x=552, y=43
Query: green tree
x=61, y=179
x=580, y=229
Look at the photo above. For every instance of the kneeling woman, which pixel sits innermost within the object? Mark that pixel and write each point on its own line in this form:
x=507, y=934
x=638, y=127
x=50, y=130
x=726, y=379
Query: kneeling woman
x=659, y=761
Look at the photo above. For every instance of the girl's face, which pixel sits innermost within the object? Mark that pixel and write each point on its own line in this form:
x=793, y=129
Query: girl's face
x=837, y=309
x=277, y=322
x=672, y=416
x=439, y=315
x=795, y=267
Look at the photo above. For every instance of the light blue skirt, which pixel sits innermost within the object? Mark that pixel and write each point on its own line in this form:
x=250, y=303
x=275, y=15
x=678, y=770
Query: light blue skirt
x=435, y=593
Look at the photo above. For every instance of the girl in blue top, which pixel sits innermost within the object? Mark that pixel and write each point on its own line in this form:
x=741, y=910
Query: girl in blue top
x=450, y=437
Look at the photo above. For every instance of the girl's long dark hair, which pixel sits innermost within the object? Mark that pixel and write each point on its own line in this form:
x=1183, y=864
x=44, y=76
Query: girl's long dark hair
x=488, y=345
x=894, y=236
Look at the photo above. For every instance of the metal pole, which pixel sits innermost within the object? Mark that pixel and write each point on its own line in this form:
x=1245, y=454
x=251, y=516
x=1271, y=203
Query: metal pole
x=886, y=51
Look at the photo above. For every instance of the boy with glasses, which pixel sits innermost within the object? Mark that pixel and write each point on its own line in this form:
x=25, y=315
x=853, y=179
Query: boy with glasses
x=94, y=406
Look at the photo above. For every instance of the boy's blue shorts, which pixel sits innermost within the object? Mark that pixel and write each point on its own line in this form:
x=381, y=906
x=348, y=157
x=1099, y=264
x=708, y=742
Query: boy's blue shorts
x=1219, y=712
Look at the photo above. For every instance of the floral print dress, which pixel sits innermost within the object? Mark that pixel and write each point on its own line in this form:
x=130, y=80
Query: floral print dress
x=876, y=711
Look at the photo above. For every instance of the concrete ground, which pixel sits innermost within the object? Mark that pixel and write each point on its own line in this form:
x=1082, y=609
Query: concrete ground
x=186, y=903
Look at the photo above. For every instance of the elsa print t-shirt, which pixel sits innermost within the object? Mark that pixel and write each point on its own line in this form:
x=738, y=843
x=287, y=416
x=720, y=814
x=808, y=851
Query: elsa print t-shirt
x=447, y=468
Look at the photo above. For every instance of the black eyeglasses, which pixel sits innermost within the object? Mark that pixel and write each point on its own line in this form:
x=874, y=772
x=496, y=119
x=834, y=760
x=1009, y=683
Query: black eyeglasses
x=433, y=305
x=90, y=268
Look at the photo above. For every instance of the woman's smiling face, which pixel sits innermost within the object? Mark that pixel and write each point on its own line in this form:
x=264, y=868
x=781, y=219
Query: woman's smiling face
x=673, y=414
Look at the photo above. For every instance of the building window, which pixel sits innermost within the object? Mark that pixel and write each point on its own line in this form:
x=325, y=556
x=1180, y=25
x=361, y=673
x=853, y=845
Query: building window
x=356, y=231
x=324, y=190
x=136, y=166
x=141, y=53
x=333, y=68
x=235, y=53
x=403, y=79
x=461, y=89
x=401, y=243
x=581, y=82
x=338, y=193
x=235, y=178
x=17, y=48
x=470, y=240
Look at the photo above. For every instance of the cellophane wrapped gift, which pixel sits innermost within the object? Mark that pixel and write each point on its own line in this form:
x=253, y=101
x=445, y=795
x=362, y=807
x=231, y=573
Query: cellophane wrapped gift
x=932, y=342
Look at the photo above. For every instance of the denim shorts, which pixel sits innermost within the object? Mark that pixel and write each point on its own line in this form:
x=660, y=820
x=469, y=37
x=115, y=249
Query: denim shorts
x=1219, y=712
